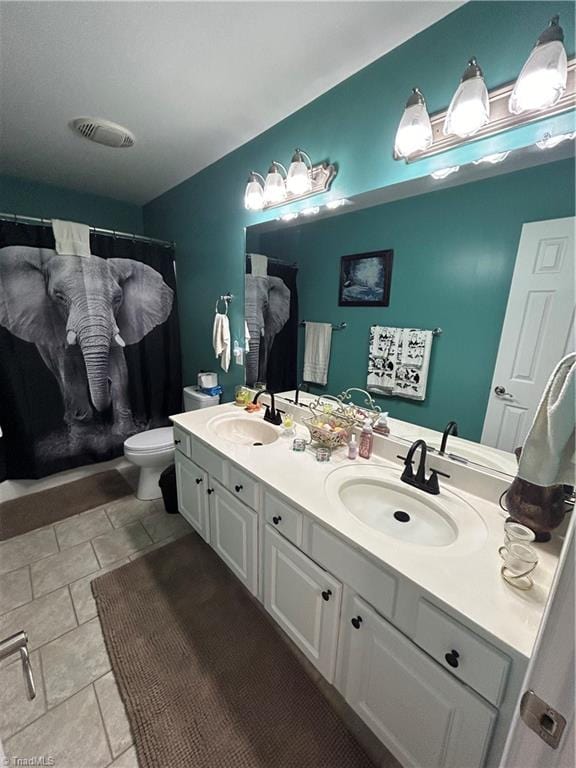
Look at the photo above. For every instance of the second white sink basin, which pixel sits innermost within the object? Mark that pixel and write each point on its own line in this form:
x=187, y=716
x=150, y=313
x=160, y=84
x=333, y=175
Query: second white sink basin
x=244, y=430
x=376, y=497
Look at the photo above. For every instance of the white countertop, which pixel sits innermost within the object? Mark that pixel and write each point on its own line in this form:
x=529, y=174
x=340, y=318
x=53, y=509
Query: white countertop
x=466, y=579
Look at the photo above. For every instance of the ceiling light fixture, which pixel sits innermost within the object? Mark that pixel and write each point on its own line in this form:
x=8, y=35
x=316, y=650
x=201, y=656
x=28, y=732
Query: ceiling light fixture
x=497, y=157
x=275, y=185
x=254, y=194
x=299, y=178
x=414, y=132
x=542, y=80
x=549, y=142
x=443, y=173
x=469, y=109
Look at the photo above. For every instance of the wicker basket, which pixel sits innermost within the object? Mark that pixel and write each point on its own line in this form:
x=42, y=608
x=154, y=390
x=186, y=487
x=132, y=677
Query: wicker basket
x=329, y=429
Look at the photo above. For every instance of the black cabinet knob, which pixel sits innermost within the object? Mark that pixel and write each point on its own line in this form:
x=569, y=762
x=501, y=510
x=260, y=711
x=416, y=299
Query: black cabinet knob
x=326, y=594
x=276, y=519
x=452, y=658
x=198, y=480
x=177, y=442
x=209, y=491
x=238, y=488
x=356, y=621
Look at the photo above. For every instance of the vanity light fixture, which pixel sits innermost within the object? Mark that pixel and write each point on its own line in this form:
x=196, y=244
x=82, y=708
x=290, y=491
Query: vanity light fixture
x=496, y=157
x=288, y=217
x=275, y=185
x=333, y=204
x=542, y=81
x=312, y=211
x=254, y=194
x=414, y=132
x=298, y=178
x=549, y=142
x=469, y=109
x=443, y=173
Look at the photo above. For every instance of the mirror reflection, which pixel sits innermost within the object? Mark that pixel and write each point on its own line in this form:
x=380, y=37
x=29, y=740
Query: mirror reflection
x=449, y=308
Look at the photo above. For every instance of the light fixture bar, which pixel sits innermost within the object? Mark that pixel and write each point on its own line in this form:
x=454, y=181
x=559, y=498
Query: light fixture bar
x=322, y=176
x=501, y=119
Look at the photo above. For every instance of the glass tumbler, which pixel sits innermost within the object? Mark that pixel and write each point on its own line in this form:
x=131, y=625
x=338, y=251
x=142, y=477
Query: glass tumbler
x=520, y=560
x=515, y=532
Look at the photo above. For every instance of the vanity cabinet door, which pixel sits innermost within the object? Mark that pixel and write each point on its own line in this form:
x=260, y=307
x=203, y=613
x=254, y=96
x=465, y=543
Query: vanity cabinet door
x=304, y=600
x=234, y=534
x=421, y=713
x=191, y=485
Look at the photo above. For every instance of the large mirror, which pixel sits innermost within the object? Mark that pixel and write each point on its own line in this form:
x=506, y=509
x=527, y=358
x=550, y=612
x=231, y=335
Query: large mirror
x=449, y=301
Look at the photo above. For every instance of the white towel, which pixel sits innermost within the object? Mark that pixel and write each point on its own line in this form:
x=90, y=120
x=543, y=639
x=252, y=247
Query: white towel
x=72, y=238
x=259, y=264
x=548, y=453
x=221, y=340
x=247, y=337
x=412, y=380
x=317, y=352
x=382, y=358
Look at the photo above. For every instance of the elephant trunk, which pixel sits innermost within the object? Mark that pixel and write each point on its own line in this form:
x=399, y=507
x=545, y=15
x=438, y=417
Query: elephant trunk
x=94, y=333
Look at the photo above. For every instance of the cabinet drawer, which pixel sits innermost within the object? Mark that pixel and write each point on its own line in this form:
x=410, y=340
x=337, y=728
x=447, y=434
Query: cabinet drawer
x=475, y=661
x=285, y=519
x=212, y=462
x=181, y=441
x=244, y=486
x=374, y=583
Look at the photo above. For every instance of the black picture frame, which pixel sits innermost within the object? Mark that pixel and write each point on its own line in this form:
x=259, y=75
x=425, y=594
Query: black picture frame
x=366, y=284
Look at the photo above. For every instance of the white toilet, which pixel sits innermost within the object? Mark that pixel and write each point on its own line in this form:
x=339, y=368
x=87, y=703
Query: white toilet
x=153, y=450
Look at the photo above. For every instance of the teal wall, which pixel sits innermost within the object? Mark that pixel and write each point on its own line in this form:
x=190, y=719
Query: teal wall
x=454, y=253
x=354, y=125
x=32, y=198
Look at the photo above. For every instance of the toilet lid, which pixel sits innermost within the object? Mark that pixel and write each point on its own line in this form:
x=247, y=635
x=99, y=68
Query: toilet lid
x=151, y=440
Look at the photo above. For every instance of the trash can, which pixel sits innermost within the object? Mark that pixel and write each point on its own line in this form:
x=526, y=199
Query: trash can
x=167, y=485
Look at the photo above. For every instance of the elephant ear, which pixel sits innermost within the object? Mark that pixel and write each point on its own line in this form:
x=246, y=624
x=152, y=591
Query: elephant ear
x=278, y=308
x=146, y=299
x=26, y=309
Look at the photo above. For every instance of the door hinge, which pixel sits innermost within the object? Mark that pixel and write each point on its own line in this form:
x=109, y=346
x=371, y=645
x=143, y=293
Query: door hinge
x=541, y=718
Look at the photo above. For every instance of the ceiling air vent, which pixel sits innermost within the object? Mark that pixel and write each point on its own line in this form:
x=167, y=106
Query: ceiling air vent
x=103, y=132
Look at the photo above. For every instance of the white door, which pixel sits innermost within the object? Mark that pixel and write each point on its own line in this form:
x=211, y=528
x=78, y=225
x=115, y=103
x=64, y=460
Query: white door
x=192, y=486
x=234, y=534
x=422, y=714
x=551, y=676
x=304, y=599
x=538, y=330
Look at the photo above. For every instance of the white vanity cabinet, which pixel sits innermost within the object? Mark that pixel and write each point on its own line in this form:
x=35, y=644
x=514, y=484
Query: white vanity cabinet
x=423, y=715
x=304, y=600
x=193, y=500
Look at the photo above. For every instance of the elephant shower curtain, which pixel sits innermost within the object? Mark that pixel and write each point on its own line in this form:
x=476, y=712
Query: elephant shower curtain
x=89, y=349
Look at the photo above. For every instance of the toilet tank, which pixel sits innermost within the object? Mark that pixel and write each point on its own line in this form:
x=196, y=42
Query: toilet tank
x=195, y=399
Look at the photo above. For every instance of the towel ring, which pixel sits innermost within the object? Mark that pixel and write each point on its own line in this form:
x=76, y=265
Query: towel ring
x=218, y=300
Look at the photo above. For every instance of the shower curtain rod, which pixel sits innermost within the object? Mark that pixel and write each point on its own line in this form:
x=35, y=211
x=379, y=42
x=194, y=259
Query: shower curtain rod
x=15, y=218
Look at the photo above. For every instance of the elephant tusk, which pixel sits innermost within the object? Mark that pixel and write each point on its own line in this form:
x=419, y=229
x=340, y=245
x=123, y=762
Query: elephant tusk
x=71, y=338
x=119, y=340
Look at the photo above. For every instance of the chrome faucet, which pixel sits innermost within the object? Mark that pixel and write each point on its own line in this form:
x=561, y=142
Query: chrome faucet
x=271, y=415
x=419, y=480
x=451, y=429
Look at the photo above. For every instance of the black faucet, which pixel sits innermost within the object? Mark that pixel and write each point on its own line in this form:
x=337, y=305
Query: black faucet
x=299, y=389
x=451, y=429
x=419, y=480
x=271, y=414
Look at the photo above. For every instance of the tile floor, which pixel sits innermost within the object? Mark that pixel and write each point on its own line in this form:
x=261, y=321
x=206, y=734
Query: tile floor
x=77, y=717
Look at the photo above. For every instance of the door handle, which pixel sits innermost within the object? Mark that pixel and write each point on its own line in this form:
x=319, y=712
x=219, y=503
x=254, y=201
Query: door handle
x=501, y=392
x=18, y=643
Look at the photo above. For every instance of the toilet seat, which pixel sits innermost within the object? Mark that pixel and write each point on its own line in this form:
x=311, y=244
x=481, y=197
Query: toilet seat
x=151, y=441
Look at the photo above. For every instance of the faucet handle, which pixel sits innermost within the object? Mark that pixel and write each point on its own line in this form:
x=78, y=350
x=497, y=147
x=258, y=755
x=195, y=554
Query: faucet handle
x=405, y=459
x=437, y=472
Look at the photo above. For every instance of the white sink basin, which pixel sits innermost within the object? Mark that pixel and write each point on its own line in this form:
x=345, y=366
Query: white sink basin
x=244, y=430
x=378, y=499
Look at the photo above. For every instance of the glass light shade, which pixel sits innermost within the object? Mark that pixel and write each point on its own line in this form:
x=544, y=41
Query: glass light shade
x=414, y=132
x=542, y=80
x=549, y=142
x=312, y=211
x=298, y=179
x=274, y=188
x=443, y=173
x=469, y=109
x=496, y=157
x=254, y=195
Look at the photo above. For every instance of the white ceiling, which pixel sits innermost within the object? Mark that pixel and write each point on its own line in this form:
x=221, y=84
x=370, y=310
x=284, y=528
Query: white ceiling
x=192, y=80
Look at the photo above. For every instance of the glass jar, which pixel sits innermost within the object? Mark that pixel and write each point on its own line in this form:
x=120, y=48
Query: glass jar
x=520, y=561
x=323, y=453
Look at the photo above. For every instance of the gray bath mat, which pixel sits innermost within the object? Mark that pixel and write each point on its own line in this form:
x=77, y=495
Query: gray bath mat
x=206, y=680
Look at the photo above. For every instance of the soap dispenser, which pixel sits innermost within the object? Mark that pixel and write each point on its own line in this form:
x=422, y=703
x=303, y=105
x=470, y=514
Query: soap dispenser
x=366, y=440
x=352, y=447
x=381, y=426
